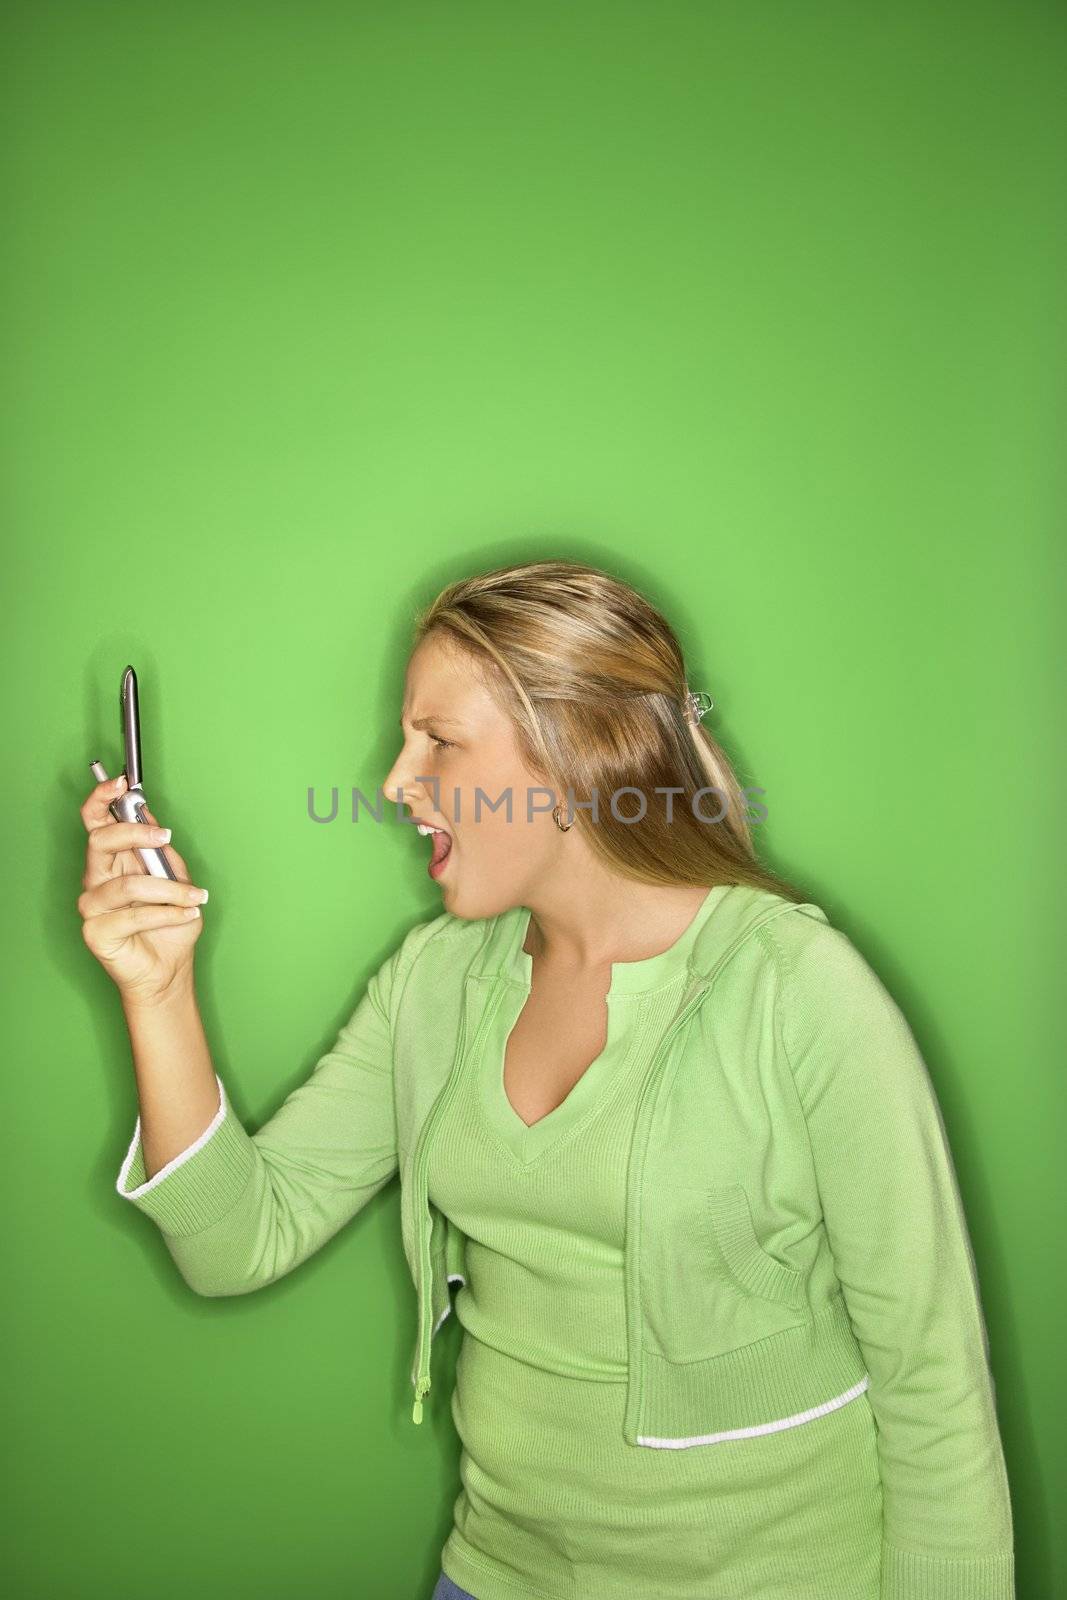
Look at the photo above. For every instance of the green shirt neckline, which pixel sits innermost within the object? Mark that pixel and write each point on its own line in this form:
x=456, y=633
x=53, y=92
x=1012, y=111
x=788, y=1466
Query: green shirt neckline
x=630, y=981
x=627, y=977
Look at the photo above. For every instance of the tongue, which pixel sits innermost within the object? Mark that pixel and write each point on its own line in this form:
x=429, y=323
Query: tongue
x=442, y=844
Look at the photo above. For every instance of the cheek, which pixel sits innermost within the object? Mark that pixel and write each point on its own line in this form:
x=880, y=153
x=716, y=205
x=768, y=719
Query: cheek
x=493, y=834
x=518, y=843
x=484, y=791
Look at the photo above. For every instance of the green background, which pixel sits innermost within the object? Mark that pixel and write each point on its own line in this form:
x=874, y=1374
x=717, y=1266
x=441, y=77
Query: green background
x=311, y=308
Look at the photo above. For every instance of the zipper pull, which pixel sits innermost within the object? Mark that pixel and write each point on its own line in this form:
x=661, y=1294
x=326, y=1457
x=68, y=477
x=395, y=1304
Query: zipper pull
x=420, y=1389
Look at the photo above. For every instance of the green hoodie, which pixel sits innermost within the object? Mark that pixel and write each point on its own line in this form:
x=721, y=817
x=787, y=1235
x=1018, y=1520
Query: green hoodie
x=786, y=1100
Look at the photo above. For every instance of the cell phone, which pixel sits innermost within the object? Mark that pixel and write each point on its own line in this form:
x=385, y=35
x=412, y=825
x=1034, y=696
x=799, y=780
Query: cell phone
x=130, y=805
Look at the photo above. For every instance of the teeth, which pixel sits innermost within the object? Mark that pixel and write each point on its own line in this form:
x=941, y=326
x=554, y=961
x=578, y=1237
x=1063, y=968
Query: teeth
x=424, y=828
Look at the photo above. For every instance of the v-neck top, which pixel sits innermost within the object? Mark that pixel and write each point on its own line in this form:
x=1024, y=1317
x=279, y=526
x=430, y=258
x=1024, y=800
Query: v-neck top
x=554, y=1501
x=629, y=980
x=544, y=1204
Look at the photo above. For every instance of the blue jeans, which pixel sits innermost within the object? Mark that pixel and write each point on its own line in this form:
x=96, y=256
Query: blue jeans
x=447, y=1590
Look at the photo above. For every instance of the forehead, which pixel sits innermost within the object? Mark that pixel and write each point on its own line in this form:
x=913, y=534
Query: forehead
x=443, y=682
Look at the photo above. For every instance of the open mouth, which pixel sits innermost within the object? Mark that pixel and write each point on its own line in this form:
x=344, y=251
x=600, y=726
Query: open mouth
x=442, y=847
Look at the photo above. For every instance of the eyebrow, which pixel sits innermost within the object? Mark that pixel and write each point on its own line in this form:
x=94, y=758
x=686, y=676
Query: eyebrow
x=420, y=722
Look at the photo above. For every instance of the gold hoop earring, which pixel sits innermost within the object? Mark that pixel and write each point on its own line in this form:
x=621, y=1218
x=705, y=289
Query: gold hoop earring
x=562, y=826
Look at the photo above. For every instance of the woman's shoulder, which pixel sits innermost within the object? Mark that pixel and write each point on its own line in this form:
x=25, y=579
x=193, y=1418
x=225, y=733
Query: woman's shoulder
x=810, y=946
x=826, y=986
x=770, y=931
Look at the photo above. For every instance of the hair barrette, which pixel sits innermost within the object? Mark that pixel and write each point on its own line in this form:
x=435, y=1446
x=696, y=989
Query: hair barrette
x=697, y=703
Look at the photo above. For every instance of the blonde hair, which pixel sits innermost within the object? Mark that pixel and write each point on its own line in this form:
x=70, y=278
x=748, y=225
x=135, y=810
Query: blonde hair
x=594, y=680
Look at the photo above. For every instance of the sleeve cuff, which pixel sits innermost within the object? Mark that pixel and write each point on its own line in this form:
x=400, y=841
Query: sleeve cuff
x=200, y=1184
x=906, y=1575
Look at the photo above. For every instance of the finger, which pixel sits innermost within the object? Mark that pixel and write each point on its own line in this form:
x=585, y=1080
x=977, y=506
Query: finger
x=135, y=889
x=112, y=839
x=108, y=931
x=94, y=810
x=172, y=854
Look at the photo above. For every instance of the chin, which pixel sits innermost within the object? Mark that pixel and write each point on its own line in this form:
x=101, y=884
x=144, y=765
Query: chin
x=477, y=907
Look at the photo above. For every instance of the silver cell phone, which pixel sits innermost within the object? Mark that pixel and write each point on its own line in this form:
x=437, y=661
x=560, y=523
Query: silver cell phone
x=130, y=805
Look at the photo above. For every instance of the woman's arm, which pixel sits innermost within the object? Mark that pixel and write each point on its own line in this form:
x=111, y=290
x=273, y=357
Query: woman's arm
x=239, y=1210
x=177, y=1086
x=896, y=1227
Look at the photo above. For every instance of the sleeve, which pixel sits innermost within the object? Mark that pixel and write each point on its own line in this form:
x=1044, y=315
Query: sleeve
x=894, y=1218
x=238, y=1210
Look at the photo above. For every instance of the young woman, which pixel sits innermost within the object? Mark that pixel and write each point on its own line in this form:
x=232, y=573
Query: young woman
x=655, y=1117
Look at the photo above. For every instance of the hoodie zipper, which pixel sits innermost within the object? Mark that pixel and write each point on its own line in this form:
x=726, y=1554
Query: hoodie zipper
x=635, y=1310
x=422, y=1379
x=633, y=1285
x=691, y=1005
x=661, y=1048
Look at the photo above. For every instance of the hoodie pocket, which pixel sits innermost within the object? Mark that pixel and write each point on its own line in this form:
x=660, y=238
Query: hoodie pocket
x=752, y=1268
x=707, y=1286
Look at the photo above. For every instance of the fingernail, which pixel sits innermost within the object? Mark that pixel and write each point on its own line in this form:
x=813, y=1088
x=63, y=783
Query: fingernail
x=163, y=834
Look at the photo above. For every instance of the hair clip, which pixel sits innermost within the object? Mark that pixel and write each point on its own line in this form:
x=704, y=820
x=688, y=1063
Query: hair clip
x=698, y=704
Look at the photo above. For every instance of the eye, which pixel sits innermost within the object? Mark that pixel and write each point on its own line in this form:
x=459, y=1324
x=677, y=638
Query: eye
x=442, y=744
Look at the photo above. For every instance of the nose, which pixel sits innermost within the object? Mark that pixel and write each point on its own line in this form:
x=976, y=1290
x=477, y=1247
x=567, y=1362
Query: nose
x=403, y=777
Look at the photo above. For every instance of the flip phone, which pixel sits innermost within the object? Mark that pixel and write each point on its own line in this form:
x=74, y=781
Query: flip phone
x=130, y=805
